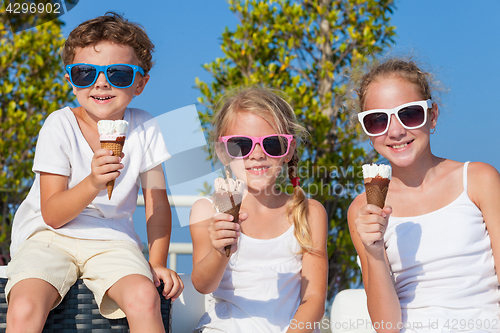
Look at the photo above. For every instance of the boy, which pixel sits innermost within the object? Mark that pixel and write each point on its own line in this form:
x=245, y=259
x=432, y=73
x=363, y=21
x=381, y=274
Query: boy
x=67, y=228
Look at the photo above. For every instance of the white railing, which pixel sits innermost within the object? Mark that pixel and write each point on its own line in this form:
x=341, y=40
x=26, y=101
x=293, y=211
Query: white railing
x=175, y=200
x=175, y=248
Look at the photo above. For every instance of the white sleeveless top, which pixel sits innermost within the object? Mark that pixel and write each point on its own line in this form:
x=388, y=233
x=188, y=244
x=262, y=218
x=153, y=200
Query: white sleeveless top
x=260, y=289
x=443, y=269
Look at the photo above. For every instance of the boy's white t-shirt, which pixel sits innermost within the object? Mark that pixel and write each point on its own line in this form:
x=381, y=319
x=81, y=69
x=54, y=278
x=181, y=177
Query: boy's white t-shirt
x=62, y=149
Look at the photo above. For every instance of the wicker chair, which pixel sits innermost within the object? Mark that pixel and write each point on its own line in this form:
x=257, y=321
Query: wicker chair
x=78, y=313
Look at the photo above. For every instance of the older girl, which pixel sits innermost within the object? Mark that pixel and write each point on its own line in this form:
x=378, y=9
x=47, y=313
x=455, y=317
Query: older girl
x=428, y=258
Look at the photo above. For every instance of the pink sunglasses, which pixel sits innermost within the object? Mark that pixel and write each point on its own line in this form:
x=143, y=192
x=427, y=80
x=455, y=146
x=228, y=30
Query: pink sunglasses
x=241, y=146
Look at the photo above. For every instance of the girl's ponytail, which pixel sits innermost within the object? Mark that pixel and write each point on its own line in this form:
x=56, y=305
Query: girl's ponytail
x=298, y=208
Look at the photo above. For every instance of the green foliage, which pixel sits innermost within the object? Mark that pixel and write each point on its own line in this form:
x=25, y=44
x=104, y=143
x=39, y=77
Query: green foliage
x=304, y=47
x=32, y=85
x=206, y=191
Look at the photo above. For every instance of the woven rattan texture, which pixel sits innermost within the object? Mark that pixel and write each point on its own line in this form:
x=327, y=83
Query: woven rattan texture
x=78, y=312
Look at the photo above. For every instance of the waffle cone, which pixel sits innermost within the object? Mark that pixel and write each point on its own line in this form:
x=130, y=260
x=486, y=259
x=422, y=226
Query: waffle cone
x=117, y=147
x=376, y=190
x=228, y=207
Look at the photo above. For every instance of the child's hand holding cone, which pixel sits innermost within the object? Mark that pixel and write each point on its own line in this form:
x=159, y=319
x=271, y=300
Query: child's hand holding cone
x=227, y=199
x=112, y=136
x=371, y=219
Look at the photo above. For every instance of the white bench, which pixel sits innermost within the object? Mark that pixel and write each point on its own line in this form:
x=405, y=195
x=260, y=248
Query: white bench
x=188, y=308
x=349, y=313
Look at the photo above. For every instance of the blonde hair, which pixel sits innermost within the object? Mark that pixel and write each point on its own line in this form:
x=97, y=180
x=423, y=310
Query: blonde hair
x=271, y=105
x=406, y=69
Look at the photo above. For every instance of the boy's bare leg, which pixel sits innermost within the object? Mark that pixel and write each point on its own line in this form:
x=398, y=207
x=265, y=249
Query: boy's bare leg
x=137, y=296
x=29, y=305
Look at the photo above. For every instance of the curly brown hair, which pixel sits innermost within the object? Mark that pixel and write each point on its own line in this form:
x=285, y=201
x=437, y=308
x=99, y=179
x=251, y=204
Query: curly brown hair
x=114, y=28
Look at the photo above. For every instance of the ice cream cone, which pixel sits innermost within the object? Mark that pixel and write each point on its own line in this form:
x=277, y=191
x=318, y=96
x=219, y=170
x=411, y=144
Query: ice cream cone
x=377, y=178
x=235, y=212
x=117, y=147
x=227, y=199
x=112, y=136
x=228, y=203
x=376, y=190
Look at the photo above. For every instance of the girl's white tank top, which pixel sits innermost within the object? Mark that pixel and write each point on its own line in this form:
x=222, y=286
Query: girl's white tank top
x=260, y=289
x=443, y=269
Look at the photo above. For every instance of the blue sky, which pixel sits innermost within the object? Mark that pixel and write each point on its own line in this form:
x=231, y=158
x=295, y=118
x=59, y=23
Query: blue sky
x=457, y=39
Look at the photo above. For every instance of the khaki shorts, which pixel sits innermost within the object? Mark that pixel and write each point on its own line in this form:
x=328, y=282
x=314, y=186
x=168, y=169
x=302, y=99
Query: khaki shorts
x=61, y=260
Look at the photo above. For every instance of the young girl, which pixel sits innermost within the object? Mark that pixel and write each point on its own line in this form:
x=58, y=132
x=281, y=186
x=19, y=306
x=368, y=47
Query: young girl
x=275, y=279
x=428, y=258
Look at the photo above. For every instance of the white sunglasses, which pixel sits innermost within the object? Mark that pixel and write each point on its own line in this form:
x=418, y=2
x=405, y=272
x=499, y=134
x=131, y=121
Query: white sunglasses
x=411, y=115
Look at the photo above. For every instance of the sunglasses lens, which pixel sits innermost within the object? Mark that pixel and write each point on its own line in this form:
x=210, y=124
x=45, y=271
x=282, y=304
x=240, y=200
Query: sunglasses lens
x=375, y=123
x=239, y=146
x=120, y=76
x=412, y=116
x=83, y=75
x=275, y=145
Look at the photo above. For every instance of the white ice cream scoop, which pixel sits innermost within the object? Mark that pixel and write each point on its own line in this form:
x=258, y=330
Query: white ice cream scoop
x=111, y=129
x=229, y=185
x=374, y=170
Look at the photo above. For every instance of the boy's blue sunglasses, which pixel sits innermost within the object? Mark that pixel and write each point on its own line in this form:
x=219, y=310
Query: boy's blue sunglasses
x=118, y=75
